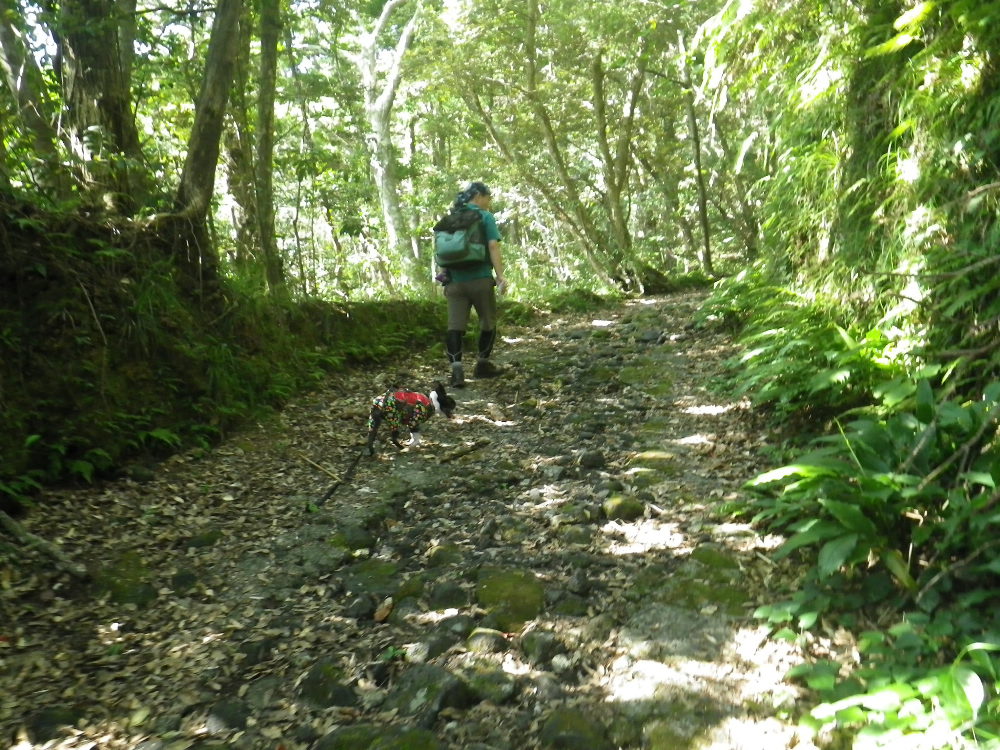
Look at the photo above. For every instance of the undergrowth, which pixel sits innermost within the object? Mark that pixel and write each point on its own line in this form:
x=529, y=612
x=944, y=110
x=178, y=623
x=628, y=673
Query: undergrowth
x=891, y=504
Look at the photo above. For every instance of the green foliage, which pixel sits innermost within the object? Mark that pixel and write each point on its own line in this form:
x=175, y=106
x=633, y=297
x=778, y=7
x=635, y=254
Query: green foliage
x=796, y=357
x=109, y=359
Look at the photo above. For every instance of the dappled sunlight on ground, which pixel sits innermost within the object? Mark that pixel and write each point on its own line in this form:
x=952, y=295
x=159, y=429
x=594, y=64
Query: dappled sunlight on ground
x=643, y=537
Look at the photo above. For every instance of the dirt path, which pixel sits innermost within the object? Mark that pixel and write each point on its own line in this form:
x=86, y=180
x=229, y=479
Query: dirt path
x=545, y=571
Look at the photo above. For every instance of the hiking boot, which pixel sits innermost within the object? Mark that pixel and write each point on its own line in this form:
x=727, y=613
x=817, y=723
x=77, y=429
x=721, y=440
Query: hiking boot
x=486, y=369
x=457, y=375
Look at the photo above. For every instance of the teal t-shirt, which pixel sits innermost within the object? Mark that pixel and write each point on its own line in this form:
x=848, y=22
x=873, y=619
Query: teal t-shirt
x=484, y=270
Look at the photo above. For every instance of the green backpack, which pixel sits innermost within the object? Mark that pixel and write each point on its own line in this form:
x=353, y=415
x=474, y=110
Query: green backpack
x=460, y=240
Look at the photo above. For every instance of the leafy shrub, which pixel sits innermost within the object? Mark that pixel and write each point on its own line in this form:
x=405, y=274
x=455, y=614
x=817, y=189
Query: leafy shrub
x=901, y=511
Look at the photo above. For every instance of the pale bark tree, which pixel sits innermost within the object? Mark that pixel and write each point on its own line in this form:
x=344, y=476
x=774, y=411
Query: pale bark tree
x=695, y=133
x=617, y=164
x=24, y=79
x=380, y=95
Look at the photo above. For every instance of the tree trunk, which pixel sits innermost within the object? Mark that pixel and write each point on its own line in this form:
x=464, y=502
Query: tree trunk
x=615, y=166
x=379, y=99
x=192, y=246
x=270, y=30
x=23, y=77
x=96, y=61
x=594, y=240
x=706, y=253
x=238, y=149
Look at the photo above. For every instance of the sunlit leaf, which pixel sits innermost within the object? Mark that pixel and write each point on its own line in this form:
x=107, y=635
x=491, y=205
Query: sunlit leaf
x=895, y=44
x=914, y=16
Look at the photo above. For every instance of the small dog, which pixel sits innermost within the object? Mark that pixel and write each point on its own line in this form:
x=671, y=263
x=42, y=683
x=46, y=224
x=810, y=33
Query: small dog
x=409, y=409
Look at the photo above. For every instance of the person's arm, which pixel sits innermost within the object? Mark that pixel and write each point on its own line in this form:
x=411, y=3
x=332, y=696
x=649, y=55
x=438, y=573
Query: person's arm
x=496, y=258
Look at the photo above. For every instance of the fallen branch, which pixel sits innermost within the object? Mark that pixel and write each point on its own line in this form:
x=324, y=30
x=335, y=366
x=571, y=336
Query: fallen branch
x=464, y=450
x=317, y=466
x=27, y=539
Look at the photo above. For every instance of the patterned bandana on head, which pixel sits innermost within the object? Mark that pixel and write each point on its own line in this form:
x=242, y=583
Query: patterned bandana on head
x=474, y=189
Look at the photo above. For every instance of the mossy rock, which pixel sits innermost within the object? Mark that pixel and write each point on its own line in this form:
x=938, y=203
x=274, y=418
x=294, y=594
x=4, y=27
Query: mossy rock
x=324, y=686
x=658, y=460
x=514, y=531
x=650, y=581
x=620, y=507
x=443, y=555
x=47, y=723
x=126, y=581
x=205, y=539
x=714, y=558
x=358, y=737
x=352, y=537
x=571, y=605
x=696, y=595
x=490, y=684
x=649, y=376
x=448, y=595
x=513, y=596
x=411, y=588
x=486, y=641
x=582, y=535
x=377, y=577
x=569, y=729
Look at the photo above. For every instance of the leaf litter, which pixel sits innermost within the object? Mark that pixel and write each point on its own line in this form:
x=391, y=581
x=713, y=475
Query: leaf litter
x=229, y=609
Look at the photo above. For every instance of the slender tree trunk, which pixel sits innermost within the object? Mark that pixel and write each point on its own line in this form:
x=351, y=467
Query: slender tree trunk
x=308, y=275
x=595, y=241
x=192, y=245
x=238, y=140
x=379, y=100
x=616, y=166
x=270, y=31
x=706, y=251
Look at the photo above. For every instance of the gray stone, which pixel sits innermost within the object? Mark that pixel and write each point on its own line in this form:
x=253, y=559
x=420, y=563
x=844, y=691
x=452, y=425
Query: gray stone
x=539, y=646
x=424, y=690
x=486, y=641
x=227, y=715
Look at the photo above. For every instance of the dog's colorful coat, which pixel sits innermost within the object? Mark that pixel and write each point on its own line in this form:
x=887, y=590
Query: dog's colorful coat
x=405, y=408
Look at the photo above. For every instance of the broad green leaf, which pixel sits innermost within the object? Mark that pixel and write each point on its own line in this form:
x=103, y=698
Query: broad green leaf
x=817, y=533
x=835, y=553
x=889, y=698
x=850, y=516
x=925, y=402
x=980, y=477
x=894, y=392
x=971, y=685
x=897, y=566
x=827, y=378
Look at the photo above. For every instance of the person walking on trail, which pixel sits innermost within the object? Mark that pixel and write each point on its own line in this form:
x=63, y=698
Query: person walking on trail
x=475, y=287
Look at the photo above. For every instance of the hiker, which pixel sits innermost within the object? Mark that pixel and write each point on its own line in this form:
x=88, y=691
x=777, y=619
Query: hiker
x=474, y=287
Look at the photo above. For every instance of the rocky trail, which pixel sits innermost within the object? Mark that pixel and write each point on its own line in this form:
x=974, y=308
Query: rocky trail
x=546, y=570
